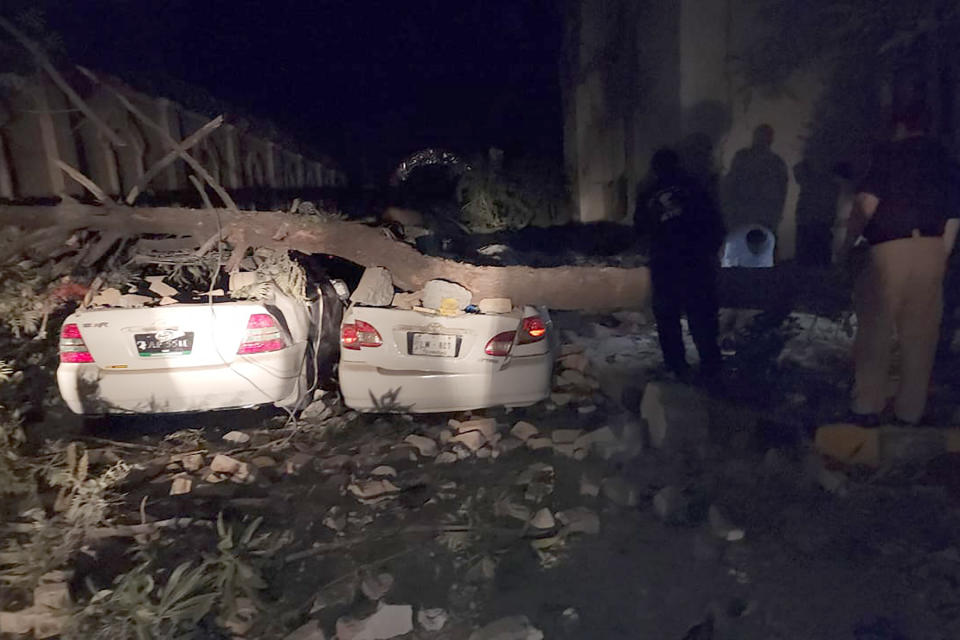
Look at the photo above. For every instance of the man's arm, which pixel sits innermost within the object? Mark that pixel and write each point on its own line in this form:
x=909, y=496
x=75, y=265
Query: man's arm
x=864, y=206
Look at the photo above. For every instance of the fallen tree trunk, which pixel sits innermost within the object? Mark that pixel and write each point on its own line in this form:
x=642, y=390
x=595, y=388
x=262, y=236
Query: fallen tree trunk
x=592, y=288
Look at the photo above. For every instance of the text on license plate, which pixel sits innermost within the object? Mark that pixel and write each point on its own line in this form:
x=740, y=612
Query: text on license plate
x=158, y=344
x=433, y=344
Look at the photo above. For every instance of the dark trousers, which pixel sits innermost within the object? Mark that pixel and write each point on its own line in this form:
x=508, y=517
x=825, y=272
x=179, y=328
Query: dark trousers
x=690, y=289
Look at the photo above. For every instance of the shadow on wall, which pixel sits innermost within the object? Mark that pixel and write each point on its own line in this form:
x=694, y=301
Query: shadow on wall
x=755, y=189
x=706, y=125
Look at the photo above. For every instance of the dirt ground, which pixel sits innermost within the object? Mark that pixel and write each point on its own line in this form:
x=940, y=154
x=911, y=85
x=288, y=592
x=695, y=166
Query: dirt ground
x=743, y=532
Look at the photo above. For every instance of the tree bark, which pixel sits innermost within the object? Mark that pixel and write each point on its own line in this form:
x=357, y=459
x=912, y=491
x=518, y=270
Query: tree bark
x=591, y=288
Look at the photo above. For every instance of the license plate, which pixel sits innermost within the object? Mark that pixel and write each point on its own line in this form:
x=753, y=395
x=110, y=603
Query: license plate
x=150, y=345
x=434, y=344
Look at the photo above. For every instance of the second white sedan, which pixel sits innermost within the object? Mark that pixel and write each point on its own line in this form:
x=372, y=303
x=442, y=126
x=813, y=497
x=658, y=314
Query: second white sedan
x=395, y=360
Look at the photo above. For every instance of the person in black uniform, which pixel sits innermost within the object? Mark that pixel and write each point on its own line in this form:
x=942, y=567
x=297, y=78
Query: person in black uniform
x=679, y=223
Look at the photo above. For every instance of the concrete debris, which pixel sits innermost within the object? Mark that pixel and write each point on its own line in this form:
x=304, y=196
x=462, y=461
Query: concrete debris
x=496, y=305
x=310, y=631
x=407, y=301
x=47, y=624
x=535, y=444
x=263, y=462
x=589, y=486
x=572, y=377
x=383, y=471
x=473, y=440
x=425, y=446
x=181, y=485
x=509, y=444
x=509, y=509
x=511, y=628
x=444, y=436
x=131, y=300
x=436, y=291
x=619, y=492
x=484, y=452
x=109, y=297
x=166, y=301
x=375, y=288
x=317, y=410
x=676, y=415
x=375, y=587
x=462, y=451
x=236, y=437
x=561, y=399
x=671, y=506
x=580, y=520
x=214, y=478
x=600, y=437
x=55, y=595
x=192, y=462
x=296, y=462
x=241, y=280
x=576, y=362
x=432, y=619
x=161, y=288
x=446, y=457
x=571, y=349
x=543, y=519
x=721, y=526
x=483, y=571
x=390, y=621
x=372, y=489
x=335, y=519
x=586, y=409
x=225, y=465
x=486, y=426
x=18, y=623
x=566, y=436
x=524, y=431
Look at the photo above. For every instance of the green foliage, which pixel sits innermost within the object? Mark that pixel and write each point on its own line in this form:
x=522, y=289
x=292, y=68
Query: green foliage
x=493, y=197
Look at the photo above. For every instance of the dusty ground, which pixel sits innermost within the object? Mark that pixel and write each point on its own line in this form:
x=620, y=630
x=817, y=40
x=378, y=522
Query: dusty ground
x=824, y=552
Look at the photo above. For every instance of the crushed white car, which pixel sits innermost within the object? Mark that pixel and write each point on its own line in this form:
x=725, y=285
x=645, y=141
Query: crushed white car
x=195, y=356
x=416, y=360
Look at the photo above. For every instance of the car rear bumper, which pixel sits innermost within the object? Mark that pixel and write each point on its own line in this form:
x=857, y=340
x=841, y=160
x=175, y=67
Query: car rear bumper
x=525, y=381
x=266, y=378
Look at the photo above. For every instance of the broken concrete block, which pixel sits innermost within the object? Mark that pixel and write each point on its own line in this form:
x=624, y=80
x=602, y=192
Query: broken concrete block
x=47, y=624
x=263, y=462
x=601, y=436
x=384, y=471
x=671, y=506
x=676, y=415
x=486, y=426
x=130, y=300
x=586, y=409
x=375, y=587
x=236, y=437
x=432, y=619
x=436, y=291
x=181, y=485
x=589, y=486
x=565, y=436
x=370, y=489
x=619, y=492
x=509, y=444
x=496, y=305
x=241, y=280
x=721, y=526
x=375, y=288
x=511, y=628
x=570, y=349
x=335, y=519
x=310, y=631
x=18, y=623
x=484, y=453
x=473, y=440
x=576, y=361
x=225, y=464
x=580, y=520
x=296, y=462
x=572, y=377
x=543, y=519
x=192, y=462
x=390, y=621
x=166, y=301
x=425, y=446
x=561, y=399
x=108, y=297
x=566, y=450
x=523, y=431
x=161, y=288
x=535, y=444
x=54, y=596
x=447, y=457
x=407, y=301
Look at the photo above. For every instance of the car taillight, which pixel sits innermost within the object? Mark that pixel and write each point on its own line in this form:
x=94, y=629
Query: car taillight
x=534, y=330
x=72, y=347
x=358, y=334
x=500, y=344
x=263, y=335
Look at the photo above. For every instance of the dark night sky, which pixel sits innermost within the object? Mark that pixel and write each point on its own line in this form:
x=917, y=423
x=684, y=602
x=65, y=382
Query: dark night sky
x=355, y=78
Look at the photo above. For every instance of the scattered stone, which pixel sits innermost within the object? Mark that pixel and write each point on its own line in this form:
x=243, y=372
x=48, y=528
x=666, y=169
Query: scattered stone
x=586, y=409
x=486, y=426
x=407, y=301
x=390, y=621
x=473, y=440
x=335, y=519
x=572, y=377
x=263, y=462
x=721, y=526
x=432, y=619
x=671, y=506
x=484, y=453
x=561, y=399
x=535, y=444
x=589, y=486
x=131, y=300
x=620, y=492
x=296, y=462
x=436, y=291
x=18, y=623
x=511, y=628
x=375, y=288
x=225, y=464
x=108, y=297
x=565, y=436
x=375, y=587
x=425, y=446
x=236, y=437
x=192, y=462
x=316, y=411
x=523, y=431
x=372, y=489
x=461, y=451
x=167, y=301
x=543, y=519
x=159, y=287
x=55, y=595
x=580, y=520
x=496, y=305
x=576, y=362
x=214, y=478
x=676, y=415
x=242, y=279
x=444, y=436
x=310, y=631
x=446, y=457
x=47, y=624
x=509, y=444
x=181, y=485
x=384, y=471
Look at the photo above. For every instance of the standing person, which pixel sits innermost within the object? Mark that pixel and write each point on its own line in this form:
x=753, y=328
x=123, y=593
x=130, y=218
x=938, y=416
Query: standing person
x=677, y=218
x=906, y=209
